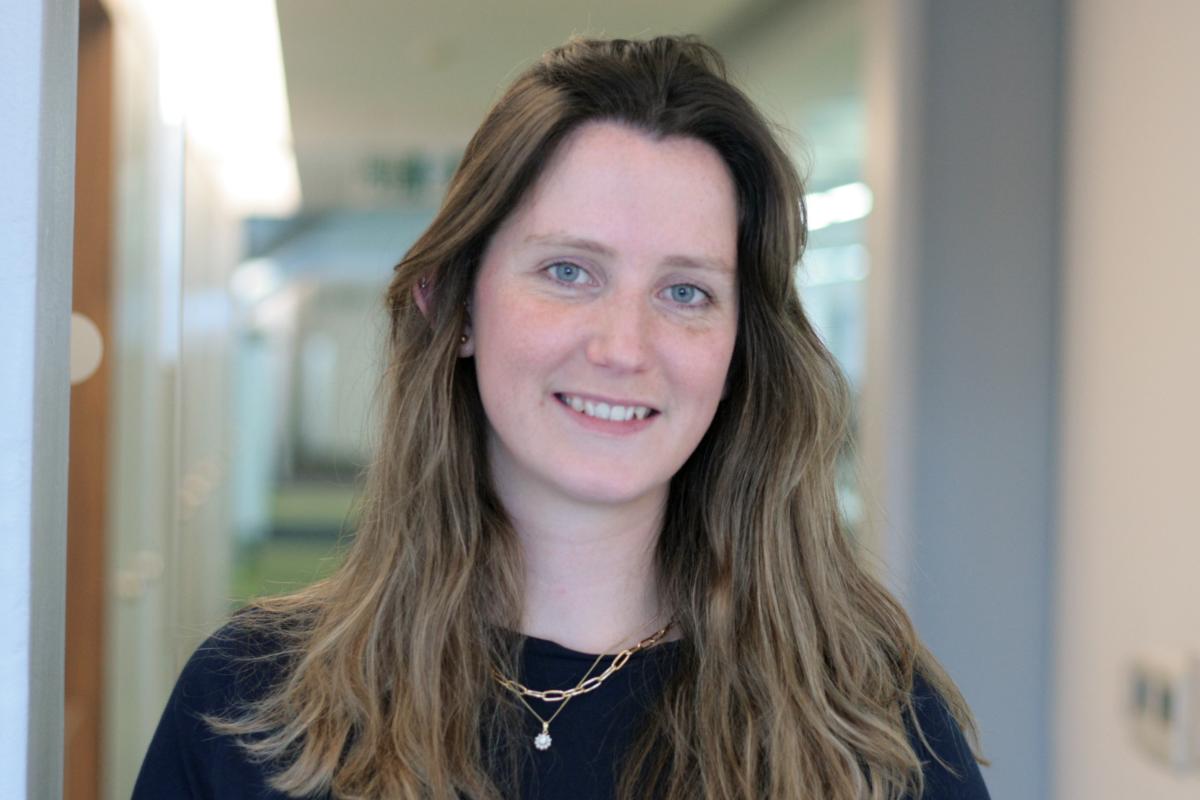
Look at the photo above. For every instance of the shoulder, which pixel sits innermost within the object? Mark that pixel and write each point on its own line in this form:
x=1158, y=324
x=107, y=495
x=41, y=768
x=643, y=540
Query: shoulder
x=186, y=758
x=945, y=739
x=236, y=665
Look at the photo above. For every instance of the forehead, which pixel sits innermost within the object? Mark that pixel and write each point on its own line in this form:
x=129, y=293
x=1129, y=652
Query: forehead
x=633, y=191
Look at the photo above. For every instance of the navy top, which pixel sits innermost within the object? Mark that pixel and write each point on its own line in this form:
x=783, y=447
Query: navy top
x=187, y=760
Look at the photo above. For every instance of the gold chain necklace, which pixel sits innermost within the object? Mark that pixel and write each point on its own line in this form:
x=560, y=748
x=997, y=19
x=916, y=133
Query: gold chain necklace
x=543, y=741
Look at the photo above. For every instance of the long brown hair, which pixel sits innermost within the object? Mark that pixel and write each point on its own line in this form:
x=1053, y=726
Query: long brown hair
x=796, y=668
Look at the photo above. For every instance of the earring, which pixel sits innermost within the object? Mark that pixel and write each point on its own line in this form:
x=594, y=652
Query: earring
x=423, y=283
x=463, y=339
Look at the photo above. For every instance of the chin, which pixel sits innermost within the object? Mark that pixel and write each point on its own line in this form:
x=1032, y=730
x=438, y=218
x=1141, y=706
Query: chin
x=611, y=492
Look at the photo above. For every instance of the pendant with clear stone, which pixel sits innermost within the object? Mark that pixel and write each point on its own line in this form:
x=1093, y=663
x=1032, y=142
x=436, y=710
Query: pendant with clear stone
x=542, y=741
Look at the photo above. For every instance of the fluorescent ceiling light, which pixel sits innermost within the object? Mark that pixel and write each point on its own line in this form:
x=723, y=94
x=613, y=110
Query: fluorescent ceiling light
x=222, y=72
x=844, y=203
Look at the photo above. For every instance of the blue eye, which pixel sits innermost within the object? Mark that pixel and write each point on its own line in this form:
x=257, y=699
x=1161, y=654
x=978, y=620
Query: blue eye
x=685, y=293
x=565, y=271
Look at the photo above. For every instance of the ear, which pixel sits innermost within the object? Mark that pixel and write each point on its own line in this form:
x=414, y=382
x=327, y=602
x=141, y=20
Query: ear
x=467, y=349
x=421, y=293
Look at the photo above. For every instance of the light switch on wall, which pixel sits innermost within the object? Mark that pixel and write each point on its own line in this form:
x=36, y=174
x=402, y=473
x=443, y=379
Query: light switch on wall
x=1164, y=707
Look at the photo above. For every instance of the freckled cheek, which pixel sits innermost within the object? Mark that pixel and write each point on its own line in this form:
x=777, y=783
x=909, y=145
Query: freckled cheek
x=519, y=343
x=701, y=366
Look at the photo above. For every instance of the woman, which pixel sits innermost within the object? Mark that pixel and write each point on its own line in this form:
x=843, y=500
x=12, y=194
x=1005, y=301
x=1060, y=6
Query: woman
x=600, y=552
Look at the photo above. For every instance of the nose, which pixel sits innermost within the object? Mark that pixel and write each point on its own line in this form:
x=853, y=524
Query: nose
x=620, y=333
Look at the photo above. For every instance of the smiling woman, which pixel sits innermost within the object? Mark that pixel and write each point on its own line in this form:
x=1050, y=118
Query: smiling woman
x=593, y=312
x=601, y=553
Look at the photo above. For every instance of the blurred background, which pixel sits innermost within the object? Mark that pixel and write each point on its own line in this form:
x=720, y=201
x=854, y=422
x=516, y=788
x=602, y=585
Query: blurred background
x=1000, y=195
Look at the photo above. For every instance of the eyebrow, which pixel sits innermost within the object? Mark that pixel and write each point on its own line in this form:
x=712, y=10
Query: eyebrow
x=592, y=246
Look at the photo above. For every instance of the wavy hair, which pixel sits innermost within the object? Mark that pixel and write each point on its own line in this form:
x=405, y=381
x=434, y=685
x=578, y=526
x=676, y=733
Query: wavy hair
x=796, y=669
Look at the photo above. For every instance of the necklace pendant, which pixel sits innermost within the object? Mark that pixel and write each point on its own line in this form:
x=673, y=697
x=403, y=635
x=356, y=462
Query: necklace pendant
x=542, y=741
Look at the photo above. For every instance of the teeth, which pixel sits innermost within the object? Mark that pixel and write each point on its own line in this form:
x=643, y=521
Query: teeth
x=605, y=411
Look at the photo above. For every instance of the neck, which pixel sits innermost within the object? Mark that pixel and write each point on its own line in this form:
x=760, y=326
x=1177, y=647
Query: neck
x=590, y=579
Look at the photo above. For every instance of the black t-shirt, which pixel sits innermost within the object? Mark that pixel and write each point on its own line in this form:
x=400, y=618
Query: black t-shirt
x=187, y=760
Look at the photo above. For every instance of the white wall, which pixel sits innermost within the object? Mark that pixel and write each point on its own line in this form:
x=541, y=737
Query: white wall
x=170, y=532
x=1130, y=536
x=38, y=50
x=144, y=459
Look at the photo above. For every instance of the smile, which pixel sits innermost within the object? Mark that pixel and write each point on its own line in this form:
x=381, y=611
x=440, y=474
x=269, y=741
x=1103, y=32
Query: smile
x=605, y=411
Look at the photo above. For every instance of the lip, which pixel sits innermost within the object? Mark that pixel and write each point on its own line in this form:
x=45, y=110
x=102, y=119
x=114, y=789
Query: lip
x=604, y=426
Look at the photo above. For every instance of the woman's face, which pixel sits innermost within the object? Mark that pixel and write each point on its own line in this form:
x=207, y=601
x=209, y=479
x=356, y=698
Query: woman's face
x=612, y=288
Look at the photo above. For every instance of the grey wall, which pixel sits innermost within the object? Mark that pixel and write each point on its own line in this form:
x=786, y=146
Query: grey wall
x=38, y=50
x=986, y=349
x=968, y=251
